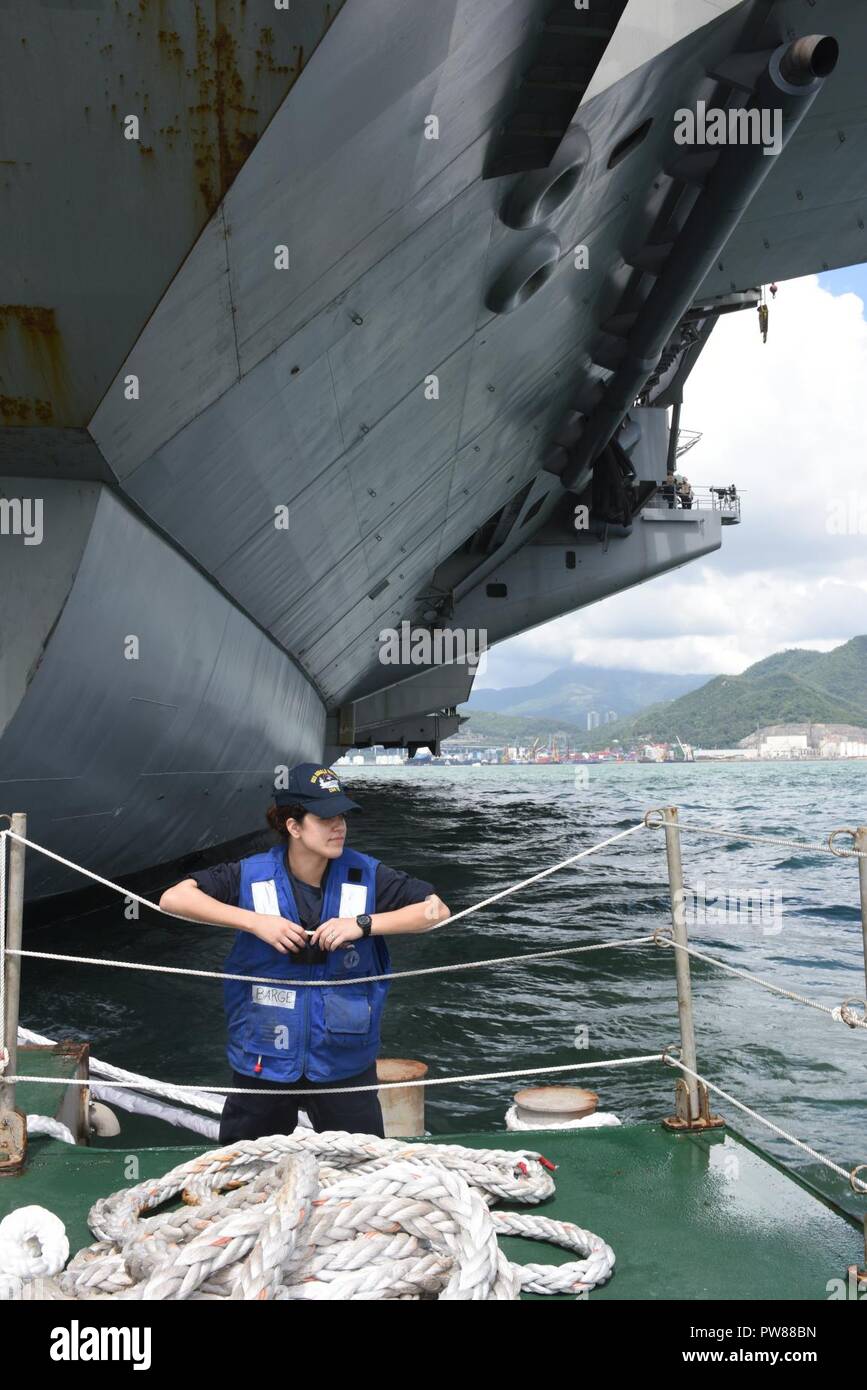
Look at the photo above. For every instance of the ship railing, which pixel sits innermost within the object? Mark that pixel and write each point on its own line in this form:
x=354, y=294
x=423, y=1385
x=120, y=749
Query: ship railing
x=726, y=501
x=692, y=1089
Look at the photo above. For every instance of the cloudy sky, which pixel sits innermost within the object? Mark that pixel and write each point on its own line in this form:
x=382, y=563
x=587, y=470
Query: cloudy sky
x=786, y=423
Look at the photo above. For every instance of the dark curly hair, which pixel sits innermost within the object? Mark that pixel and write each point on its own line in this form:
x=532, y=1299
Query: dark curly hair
x=277, y=817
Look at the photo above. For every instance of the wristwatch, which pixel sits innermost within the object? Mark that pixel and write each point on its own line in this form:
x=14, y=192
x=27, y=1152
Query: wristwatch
x=365, y=921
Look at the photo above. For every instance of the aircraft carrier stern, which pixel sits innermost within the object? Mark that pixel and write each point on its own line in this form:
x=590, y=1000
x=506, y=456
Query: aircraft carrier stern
x=322, y=319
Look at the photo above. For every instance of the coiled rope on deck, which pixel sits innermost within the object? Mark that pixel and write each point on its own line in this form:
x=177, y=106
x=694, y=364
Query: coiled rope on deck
x=276, y=1218
x=314, y=1216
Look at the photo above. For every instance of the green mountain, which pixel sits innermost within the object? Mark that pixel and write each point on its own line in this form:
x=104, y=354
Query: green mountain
x=504, y=729
x=569, y=693
x=791, y=687
x=842, y=671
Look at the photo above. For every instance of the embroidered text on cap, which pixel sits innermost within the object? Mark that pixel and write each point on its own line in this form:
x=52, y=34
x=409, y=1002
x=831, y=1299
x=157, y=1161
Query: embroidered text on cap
x=325, y=779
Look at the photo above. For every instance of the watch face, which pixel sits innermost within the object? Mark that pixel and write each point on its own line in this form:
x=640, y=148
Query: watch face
x=364, y=921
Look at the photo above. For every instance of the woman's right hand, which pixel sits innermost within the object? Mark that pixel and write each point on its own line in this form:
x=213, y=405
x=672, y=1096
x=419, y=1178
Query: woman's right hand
x=279, y=932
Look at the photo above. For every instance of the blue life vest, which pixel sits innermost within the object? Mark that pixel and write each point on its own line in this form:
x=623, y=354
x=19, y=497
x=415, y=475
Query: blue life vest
x=326, y=1032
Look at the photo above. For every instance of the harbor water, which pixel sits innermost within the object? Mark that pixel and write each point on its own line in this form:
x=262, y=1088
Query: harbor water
x=473, y=831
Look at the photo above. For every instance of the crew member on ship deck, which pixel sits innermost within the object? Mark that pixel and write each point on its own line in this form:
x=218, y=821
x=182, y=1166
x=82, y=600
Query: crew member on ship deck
x=310, y=909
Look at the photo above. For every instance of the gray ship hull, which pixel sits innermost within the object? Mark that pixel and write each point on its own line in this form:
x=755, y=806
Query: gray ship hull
x=336, y=335
x=129, y=753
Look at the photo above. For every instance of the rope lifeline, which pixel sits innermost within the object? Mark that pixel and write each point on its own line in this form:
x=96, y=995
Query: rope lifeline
x=328, y=984
x=836, y=1013
x=374, y=1086
x=534, y=878
x=455, y=917
x=733, y=835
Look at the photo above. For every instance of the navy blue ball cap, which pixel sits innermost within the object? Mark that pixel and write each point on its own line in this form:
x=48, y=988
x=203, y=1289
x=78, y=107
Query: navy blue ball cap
x=316, y=789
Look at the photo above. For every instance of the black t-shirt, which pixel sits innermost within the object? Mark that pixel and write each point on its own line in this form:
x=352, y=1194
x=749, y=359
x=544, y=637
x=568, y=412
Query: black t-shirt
x=394, y=889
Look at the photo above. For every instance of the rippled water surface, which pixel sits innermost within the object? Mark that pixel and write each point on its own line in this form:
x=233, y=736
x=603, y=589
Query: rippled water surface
x=472, y=832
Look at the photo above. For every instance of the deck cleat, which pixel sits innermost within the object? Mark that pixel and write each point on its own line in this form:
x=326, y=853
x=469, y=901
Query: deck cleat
x=682, y=1121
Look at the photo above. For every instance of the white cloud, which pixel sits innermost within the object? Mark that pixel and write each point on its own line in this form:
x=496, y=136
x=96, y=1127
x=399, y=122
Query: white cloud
x=786, y=423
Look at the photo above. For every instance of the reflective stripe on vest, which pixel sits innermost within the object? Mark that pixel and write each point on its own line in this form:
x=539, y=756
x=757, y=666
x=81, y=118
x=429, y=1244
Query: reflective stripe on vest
x=280, y=1033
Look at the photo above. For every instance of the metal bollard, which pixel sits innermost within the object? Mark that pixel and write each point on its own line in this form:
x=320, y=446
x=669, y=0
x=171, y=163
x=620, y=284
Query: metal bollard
x=402, y=1106
x=13, y=1123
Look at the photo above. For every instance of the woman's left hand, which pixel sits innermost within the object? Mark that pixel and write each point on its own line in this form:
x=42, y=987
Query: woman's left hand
x=336, y=932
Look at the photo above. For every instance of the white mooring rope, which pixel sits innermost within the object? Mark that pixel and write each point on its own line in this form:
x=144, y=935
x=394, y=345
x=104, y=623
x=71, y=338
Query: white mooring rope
x=54, y=1129
x=316, y=984
x=455, y=917
x=202, y=1100
x=307, y=1217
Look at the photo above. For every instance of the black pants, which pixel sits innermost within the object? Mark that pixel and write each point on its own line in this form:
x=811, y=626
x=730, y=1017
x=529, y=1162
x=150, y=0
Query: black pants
x=252, y=1117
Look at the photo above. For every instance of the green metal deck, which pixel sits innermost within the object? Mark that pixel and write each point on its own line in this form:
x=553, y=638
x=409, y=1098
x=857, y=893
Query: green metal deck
x=689, y=1216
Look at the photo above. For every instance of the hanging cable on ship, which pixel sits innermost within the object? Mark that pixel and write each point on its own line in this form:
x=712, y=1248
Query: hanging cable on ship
x=308, y=909
x=765, y=315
